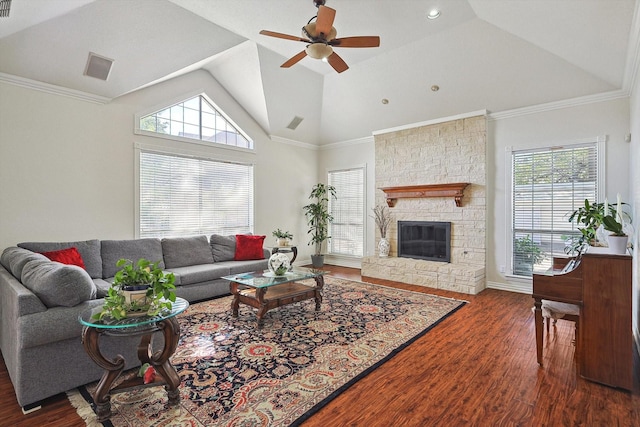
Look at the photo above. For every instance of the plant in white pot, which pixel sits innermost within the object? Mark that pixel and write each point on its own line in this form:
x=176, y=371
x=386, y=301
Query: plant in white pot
x=283, y=238
x=382, y=217
x=318, y=219
x=616, y=225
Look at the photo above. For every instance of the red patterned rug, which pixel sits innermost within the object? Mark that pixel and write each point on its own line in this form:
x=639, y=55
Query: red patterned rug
x=234, y=374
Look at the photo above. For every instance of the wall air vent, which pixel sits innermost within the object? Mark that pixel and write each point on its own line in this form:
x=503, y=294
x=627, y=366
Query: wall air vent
x=295, y=122
x=5, y=6
x=98, y=66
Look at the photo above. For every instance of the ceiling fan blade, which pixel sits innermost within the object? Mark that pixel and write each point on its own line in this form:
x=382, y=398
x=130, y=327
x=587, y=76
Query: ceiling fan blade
x=324, y=23
x=294, y=59
x=283, y=36
x=358, y=41
x=337, y=63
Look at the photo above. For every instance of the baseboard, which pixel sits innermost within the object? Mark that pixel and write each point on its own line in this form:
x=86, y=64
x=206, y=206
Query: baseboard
x=521, y=288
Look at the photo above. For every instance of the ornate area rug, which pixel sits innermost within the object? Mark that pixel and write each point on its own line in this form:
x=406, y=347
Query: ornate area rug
x=234, y=374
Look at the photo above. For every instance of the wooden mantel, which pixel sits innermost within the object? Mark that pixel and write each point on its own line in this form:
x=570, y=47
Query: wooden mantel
x=454, y=190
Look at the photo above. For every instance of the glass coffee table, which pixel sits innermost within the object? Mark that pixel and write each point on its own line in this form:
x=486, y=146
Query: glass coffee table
x=264, y=290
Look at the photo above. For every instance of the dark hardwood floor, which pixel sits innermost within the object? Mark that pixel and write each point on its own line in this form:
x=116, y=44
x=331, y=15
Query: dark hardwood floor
x=477, y=367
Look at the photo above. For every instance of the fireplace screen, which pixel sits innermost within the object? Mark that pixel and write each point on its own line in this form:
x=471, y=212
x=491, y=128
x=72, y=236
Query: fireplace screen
x=424, y=240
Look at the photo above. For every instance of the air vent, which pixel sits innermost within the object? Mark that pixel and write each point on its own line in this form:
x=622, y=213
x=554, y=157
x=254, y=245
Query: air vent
x=5, y=6
x=295, y=122
x=98, y=66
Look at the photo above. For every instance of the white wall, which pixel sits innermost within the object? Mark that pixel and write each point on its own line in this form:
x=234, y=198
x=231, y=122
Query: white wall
x=635, y=198
x=67, y=165
x=549, y=128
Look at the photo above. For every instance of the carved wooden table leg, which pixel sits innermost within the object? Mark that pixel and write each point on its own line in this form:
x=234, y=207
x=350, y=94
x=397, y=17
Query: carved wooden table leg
x=318, y=292
x=160, y=359
x=539, y=332
x=113, y=369
x=235, y=304
x=262, y=310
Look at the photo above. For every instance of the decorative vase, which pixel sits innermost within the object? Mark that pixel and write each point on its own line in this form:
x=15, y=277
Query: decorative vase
x=618, y=244
x=383, y=247
x=279, y=264
x=283, y=241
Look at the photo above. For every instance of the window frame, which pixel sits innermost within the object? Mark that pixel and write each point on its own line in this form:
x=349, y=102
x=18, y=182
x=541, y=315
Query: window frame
x=363, y=169
x=600, y=145
x=168, y=104
x=181, y=152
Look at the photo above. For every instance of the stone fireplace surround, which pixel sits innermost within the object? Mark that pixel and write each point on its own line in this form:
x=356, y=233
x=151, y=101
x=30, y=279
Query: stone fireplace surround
x=452, y=151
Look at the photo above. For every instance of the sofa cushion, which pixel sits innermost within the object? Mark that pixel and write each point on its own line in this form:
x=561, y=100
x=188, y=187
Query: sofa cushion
x=248, y=247
x=89, y=250
x=102, y=287
x=58, y=284
x=113, y=250
x=200, y=273
x=185, y=251
x=69, y=256
x=14, y=259
x=223, y=247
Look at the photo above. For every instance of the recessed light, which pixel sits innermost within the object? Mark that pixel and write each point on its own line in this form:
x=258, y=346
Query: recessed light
x=385, y=101
x=433, y=14
x=435, y=88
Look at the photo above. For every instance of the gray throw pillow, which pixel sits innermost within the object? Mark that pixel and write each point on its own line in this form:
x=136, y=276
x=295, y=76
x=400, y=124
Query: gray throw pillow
x=113, y=250
x=223, y=247
x=89, y=251
x=186, y=251
x=58, y=285
x=14, y=259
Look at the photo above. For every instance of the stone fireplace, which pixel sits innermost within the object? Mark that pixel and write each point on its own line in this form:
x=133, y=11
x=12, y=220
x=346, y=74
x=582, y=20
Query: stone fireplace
x=436, y=157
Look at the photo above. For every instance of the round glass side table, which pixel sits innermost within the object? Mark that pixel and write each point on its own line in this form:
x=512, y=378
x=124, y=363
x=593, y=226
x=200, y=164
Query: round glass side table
x=144, y=326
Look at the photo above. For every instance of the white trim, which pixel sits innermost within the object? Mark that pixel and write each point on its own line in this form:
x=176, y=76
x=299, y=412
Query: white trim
x=348, y=143
x=431, y=122
x=633, y=53
x=179, y=151
x=556, y=105
x=53, y=89
x=518, y=287
x=342, y=261
x=293, y=142
x=194, y=141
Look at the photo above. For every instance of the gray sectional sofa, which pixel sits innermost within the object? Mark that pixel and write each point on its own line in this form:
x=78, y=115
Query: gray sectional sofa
x=40, y=301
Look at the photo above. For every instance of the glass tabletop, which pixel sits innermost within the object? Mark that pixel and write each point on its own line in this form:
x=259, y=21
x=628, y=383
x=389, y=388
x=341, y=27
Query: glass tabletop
x=264, y=279
x=86, y=319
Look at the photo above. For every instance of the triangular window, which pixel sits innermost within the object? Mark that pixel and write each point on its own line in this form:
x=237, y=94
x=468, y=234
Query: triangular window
x=196, y=118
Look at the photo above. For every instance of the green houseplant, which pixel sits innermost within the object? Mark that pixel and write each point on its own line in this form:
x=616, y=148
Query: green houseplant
x=318, y=219
x=526, y=254
x=284, y=237
x=588, y=218
x=140, y=288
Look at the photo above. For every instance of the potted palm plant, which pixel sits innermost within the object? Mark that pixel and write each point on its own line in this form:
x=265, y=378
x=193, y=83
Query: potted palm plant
x=318, y=219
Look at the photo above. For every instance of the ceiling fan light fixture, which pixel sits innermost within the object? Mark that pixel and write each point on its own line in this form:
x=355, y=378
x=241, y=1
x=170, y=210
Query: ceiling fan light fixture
x=433, y=14
x=319, y=50
x=309, y=31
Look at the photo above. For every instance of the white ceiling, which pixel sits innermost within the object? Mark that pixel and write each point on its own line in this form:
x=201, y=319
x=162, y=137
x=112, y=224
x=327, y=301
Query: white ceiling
x=483, y=54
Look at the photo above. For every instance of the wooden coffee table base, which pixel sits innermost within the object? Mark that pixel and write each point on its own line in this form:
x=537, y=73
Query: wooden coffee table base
x=264, y=299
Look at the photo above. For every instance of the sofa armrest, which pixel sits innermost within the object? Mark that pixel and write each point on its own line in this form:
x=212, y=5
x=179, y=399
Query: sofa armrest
x=15, y=299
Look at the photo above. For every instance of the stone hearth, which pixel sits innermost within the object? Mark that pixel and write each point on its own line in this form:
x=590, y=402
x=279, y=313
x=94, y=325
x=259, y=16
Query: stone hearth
x=442, y=153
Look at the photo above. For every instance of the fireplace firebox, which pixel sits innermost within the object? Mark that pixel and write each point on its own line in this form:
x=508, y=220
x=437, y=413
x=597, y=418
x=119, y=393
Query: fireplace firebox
x=424, y=240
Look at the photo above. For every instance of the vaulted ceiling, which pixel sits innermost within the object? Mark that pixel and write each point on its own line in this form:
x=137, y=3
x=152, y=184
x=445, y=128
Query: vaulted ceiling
x=483, y=54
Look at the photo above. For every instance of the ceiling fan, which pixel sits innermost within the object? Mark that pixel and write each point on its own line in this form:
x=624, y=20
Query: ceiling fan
x=320, y=36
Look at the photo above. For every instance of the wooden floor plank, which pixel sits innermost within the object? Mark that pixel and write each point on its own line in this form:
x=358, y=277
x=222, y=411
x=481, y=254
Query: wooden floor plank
x=477, y=367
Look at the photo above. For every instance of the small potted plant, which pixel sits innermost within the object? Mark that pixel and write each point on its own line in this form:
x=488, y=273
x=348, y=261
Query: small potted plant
x=138, y=289
x=383, y=218
x=616, y=226
x=283, y=237
x=318, y=219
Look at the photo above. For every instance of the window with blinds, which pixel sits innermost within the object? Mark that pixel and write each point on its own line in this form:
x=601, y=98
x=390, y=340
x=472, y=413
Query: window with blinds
x=548, y=185
x=347, y=228
x=185, y=196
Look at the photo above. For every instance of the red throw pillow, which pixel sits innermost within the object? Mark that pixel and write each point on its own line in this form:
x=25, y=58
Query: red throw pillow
x=69, y=256
x=248, y=247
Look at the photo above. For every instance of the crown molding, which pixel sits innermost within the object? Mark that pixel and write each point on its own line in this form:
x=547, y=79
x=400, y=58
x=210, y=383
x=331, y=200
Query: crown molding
x=633, y=52
x=432, y=122
x=53, y=89
x=293, y=142
x=348, y=143
x=557, y=105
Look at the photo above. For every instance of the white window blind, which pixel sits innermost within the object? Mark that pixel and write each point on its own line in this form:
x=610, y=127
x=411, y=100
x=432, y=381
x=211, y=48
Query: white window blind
x=548, y=185
x=347, y=228
x=184, y=196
